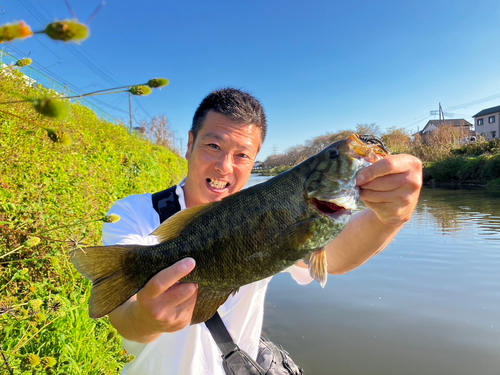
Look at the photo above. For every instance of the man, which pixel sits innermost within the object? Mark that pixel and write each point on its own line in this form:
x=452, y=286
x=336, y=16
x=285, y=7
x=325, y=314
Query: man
x=228, y=130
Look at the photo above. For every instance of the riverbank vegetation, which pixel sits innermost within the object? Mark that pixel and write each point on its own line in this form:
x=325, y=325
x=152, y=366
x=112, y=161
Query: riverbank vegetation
x=57, y=181
x=448, y=155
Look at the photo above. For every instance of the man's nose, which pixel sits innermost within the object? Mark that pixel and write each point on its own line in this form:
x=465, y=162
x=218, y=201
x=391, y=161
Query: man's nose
x=225, y=165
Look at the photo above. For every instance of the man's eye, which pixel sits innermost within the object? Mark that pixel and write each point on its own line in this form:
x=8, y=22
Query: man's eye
x=214, y=146
x=245, y=156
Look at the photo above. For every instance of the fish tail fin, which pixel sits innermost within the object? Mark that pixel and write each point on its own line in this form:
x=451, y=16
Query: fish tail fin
x=110, y=268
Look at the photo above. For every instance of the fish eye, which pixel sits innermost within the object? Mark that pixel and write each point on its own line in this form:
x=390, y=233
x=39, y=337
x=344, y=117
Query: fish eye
x=332, y=154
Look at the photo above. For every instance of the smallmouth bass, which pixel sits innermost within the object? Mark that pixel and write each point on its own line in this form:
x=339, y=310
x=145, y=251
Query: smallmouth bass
x=248, y=236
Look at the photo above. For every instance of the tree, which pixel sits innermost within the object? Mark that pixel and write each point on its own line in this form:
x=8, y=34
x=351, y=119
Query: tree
x=397, y=140
x=368, y=129
x=159, y=132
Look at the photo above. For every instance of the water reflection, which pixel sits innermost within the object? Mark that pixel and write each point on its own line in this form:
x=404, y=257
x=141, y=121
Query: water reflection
x=461, y=211
x=428, y=304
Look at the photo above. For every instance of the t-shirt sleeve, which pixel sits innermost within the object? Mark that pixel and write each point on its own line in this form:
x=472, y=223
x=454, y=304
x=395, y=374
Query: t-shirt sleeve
x=137, y=221
x=299, y=274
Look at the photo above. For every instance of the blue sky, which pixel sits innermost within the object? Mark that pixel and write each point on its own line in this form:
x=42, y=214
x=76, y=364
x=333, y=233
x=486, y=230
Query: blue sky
x=317, y=66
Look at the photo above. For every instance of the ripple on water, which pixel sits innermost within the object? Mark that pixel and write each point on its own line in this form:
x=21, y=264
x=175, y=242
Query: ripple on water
x=428, y=304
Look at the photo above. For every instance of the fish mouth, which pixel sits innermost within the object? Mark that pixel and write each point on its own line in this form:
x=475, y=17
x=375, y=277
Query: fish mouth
x=217, y=185
x=367, y=148
x=340, y=206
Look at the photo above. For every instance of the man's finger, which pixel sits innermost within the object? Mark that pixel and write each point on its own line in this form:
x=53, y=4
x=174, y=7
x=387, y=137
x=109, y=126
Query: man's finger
x=187, y=306
x=373, y=196
x=178, y=294
x=392, y=164
x=388, y=182
x=168, y=277
x=381, y=168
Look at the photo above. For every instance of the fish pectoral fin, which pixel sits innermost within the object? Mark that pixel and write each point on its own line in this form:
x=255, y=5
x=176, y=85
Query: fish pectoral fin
x=298, y=233
x=172, y=227
x=207, y=303
x=317, y=266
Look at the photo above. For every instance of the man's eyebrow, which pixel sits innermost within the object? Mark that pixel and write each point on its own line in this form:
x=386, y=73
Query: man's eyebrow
x=213, y=135
x=243, y=147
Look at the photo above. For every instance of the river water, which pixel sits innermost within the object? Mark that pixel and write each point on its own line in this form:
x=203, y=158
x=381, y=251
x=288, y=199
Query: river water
x=428, y=304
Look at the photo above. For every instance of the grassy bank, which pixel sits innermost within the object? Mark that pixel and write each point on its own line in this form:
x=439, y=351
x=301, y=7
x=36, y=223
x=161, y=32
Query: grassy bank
x=61, y=193
x=474, y=164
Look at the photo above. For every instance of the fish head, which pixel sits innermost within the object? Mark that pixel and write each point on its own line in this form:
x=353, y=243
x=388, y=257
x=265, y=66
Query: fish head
x=331, y=184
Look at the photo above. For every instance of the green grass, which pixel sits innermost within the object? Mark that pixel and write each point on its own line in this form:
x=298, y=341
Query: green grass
x=44, y=185
x=482, y=170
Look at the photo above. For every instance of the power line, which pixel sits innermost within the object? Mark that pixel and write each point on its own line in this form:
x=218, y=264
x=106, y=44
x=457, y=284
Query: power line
x=416, y=122
x=46, y=11
x=143, y=109
x=102, y=67
x=478, y=101
x=80, y=56
x=66, y=84
x=90, y=65
x=34, y=12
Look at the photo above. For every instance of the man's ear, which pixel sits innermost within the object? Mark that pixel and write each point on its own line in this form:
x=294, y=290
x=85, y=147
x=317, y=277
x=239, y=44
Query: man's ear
x=190, y=145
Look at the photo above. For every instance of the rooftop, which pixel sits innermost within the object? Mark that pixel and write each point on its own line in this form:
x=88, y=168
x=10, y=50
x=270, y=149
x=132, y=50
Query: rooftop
x=449, y=122
x=487, y=111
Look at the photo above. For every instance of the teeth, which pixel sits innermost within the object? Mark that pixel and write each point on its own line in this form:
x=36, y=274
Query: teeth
x=217, y=184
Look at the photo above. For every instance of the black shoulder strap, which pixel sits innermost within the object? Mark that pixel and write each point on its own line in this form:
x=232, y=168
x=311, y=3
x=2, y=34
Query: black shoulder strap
x=221, y=335
x=166, y=203
x=234, y=360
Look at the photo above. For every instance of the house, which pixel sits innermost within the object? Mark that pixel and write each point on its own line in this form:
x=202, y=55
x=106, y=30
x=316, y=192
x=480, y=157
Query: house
x=488, y=122
x=463, y=127
x=434, y=124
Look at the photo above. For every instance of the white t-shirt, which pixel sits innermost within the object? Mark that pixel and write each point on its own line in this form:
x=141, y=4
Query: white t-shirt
x=191, y=350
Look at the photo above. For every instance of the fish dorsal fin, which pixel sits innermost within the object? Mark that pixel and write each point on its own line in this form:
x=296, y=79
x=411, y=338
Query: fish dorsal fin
x=317, y=266
x=172, y=227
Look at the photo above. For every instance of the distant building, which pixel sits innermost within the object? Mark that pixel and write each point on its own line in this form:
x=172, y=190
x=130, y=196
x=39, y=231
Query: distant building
x=140, y=129
x=488, y=122
x=257, y=166
x=464, y=126
x=434, y=124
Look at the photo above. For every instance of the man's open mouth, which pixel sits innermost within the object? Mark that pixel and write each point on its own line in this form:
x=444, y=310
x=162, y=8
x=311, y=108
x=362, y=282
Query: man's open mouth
x=217, y=184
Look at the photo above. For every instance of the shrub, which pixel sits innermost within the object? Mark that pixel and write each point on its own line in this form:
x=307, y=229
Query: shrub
x=491, y=169
x=47, y=191
x=445, y=170
x=471, y=170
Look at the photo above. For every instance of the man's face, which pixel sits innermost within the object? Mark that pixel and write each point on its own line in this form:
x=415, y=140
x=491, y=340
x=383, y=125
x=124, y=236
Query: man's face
x=220, y=160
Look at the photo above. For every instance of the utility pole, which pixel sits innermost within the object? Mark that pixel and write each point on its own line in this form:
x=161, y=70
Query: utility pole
x=130, y=107
x=441, y=113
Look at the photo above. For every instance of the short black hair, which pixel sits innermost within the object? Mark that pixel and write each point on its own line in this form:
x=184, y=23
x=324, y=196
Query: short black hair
x=235, y=104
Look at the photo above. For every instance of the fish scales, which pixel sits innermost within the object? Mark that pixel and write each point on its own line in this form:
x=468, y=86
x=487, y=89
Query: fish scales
x=245, y=237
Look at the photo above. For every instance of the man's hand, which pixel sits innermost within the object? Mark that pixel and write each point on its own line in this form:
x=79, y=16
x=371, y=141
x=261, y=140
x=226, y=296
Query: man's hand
x=163, y=305
x=391, y=187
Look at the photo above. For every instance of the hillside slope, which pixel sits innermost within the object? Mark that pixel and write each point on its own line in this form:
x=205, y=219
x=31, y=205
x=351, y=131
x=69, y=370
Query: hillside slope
x=61, y=193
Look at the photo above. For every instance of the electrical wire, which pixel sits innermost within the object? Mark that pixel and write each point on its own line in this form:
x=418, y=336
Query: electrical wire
x=477, y=101
x=141, y=106
x=85, y=60
x=90, y=65
x=34, y=12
